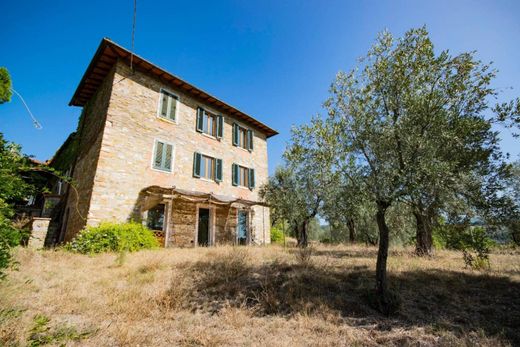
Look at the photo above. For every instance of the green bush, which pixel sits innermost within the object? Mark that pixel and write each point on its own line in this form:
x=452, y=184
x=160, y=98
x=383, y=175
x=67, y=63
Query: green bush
x=476, y=246
x=474, y=243
x=9, y=237
x=276, y=234
x=113, y=237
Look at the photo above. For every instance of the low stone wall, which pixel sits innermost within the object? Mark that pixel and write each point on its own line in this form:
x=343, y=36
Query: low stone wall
x=39, y=228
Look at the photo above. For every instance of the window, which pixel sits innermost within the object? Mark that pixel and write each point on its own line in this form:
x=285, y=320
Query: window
x=155, y=219
x=167, y=105
x=163, y=155
x=209, y=123
x=243, y=176
x=207, y=167
x=242, y=137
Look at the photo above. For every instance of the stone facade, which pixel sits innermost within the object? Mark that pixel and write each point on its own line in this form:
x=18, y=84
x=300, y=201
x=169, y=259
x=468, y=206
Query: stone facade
x=114, y=165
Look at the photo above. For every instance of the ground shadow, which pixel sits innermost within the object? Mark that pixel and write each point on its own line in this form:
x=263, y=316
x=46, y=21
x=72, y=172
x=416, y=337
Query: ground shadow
x=458, y=302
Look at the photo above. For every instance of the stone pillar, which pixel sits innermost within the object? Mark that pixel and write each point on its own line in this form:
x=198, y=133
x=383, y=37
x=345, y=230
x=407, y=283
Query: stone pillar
x=39, y=229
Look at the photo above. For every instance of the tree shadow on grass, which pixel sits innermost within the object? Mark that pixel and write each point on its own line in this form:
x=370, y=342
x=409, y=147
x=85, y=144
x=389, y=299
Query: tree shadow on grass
x=445, y=300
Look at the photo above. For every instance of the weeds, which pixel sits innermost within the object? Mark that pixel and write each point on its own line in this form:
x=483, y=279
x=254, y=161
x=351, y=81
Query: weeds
x=257, y=296
x=42, y=334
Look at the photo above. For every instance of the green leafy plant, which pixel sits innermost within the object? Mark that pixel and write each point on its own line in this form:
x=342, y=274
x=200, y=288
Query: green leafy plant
x=113, y=237
x=42, y=334
x=276, y=234
x=476, y=246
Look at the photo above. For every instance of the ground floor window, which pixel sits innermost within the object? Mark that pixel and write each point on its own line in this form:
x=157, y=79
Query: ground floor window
x=155, y=220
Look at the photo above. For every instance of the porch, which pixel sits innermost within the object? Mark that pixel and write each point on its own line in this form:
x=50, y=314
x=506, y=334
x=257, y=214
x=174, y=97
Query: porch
x=193, y=219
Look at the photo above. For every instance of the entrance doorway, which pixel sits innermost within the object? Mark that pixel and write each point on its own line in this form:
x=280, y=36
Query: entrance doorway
x=203, y=231
x=242, y=227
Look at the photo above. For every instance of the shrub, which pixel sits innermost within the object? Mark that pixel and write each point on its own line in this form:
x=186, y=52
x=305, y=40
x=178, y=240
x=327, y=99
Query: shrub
x=113, y=237
x=476, y=245
x=276, y=234
x=9, y=238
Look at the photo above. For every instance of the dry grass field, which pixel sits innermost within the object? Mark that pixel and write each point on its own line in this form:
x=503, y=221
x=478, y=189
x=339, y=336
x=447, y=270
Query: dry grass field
x=262, y=296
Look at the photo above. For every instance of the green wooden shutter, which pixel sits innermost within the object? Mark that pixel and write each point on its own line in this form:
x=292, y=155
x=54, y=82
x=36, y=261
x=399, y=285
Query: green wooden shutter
x=220, y=126
x=251, y=178
x=234, y=175
x=235, y=134
x=197, y=157
x=250, y=140
x=200, y=119
x=218, y=170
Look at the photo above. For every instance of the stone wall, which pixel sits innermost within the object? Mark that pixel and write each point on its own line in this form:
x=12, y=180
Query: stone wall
x=39, y=229
x=183, y=223
x=124, y=166
x=91, y=127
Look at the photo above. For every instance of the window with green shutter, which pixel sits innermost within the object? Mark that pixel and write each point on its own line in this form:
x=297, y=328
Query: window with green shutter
x=207, y=167
x=242, y=137
x=243, y=176
x=163, y=156
x=209, y=123
x=167, y=105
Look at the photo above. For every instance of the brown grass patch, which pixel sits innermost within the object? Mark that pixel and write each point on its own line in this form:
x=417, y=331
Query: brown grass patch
x=258, y=296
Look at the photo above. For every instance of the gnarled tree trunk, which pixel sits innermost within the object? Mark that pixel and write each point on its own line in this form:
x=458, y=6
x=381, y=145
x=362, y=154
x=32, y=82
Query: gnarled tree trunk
x=424, y=240
x=303, y=238
x=351, y=224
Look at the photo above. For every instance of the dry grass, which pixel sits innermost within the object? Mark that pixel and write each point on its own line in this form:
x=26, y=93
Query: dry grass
x=256, y=296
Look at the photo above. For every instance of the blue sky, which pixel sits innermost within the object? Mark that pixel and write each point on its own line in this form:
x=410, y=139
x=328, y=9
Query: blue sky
x=271, y=59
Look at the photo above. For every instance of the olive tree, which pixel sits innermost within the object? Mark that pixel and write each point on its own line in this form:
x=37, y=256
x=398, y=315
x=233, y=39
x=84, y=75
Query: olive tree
x=413, y=126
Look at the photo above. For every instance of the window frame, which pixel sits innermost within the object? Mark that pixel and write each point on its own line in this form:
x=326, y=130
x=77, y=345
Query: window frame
x=217, y=116
x=247, y=130
x=156, y=141
x=206, y=115
x=204, y=159
x=214, y=167
x=159, y=106
x=239, y=177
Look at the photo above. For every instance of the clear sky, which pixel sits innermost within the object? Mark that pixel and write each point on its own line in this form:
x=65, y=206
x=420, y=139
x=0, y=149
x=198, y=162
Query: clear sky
x=271, y=59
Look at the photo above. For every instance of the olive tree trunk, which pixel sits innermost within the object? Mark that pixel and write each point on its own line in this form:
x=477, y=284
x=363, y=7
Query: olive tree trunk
x=424, y=240
x=382, y=256
x=351, y=224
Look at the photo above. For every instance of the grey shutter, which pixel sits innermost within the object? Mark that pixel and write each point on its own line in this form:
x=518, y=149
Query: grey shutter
x=157, y=162
x=251, y=178
x=218, y=170
x=197, y=157
x=168, y=157
x=164, y=104
x=234, y=175
x=200, y=119
x=235, y=134
x=220, y=126
x=173, y=106
x=250, y=140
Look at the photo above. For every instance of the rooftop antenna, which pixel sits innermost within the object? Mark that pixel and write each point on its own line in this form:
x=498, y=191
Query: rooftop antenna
x=133, y=38
x=36, y=124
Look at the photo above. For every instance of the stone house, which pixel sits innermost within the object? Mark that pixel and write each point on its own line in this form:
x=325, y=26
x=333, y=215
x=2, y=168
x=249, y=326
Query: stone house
x=153, y=148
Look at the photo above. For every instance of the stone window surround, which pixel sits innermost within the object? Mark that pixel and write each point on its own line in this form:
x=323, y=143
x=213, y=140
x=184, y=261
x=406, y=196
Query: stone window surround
x=153, y=156
x=246, y=128
x=244, y=166
x=212, y=111
x=177, y=104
